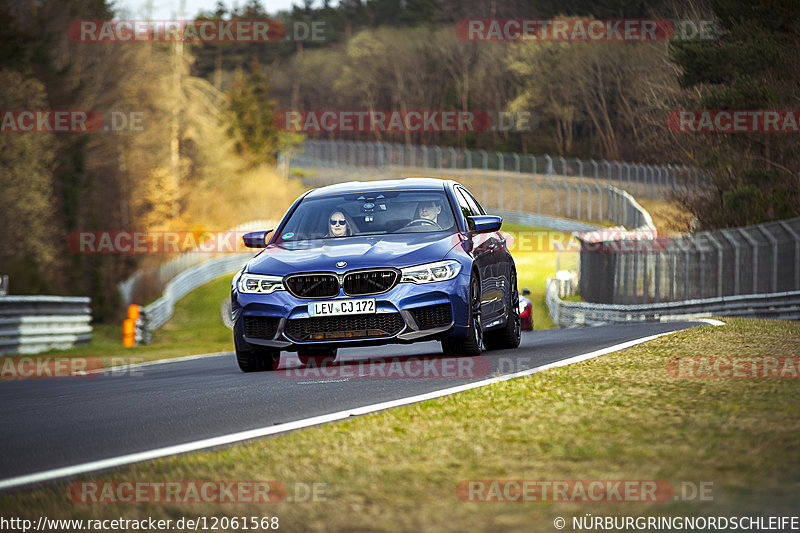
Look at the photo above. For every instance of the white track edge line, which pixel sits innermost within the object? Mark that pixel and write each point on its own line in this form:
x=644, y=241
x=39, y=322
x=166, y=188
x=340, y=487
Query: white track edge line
x=122, y=460
x=127, y=367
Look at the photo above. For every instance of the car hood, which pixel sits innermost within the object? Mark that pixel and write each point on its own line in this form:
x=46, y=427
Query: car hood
x=394, y=250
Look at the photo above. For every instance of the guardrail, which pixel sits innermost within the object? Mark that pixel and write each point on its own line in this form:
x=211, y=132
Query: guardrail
x=158, y=312
x=33, y=324
x=781, y=305
x=176, y=265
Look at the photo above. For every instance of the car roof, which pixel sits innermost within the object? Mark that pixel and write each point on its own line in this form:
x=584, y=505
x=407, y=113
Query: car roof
x=380, y=185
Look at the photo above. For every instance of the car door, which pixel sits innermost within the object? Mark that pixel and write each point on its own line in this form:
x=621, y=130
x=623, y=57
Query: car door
x=481, y=253
x=497, y=272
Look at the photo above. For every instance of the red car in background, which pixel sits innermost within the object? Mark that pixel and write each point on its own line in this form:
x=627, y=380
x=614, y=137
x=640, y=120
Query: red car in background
x=526, y=311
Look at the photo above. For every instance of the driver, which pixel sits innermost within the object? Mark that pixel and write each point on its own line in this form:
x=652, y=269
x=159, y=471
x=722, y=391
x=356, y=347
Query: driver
x=429, y=210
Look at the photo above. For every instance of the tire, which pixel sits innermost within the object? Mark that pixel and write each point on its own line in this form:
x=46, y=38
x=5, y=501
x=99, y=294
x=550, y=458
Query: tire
x=316, y=356
x=508, y=336
x=471, y=344
x=256, y=359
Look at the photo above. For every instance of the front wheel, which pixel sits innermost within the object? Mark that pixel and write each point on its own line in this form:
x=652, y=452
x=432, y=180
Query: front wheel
x=258, y=359
x=252, y=358
x=509, y=335
x=471, y=345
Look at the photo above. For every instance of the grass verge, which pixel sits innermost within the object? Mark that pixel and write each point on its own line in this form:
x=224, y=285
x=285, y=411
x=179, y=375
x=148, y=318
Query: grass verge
x=618, y=417
x=536, y=262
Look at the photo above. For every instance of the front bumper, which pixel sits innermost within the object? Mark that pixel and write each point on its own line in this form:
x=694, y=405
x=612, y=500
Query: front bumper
x=403, y=314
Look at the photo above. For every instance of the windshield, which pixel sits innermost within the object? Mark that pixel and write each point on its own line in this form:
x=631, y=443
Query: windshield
x=369, y=213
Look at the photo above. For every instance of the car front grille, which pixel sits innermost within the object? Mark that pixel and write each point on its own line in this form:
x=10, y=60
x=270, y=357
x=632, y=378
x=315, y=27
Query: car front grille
x=260, y=327
x=313, y=285
x=344, y=327
x=370, y=282
x=433, y=316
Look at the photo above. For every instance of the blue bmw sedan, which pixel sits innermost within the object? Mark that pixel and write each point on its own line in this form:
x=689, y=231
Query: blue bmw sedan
x=369, y=263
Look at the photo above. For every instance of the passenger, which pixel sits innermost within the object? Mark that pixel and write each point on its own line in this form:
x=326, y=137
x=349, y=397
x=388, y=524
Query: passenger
x=338, y=226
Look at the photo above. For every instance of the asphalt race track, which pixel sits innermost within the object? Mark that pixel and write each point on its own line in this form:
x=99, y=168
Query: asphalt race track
x=49, y=423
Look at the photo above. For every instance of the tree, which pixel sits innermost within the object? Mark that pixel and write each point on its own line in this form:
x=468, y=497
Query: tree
x=252, y=118
x=751, y=64
x=27, y=230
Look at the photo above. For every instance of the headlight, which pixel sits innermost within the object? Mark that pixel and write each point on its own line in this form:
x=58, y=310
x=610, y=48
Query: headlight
x=430, y=272
x=260, y=284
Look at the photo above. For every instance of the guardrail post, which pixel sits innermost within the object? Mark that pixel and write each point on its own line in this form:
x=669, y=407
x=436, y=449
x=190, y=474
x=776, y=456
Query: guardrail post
x=608, y=170
x=438, y=152
x=774, y=242
x=580, y=190
x=686, y=251
x=754, y=246
x=500, y=165
x=672, y=267
x=535, y=178
x=736, y=260
x=720, y=251
x=796, y=238
x=485, y=164
x=519, y=181
x=619, y=173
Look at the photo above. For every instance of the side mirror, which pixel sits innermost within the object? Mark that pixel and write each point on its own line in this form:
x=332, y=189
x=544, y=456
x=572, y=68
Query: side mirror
x=484, y=223
x=256, y=239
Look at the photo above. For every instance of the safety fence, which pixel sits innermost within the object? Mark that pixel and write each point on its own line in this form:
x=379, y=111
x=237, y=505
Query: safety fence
x=510, y=173
x=553, y=196
x=33, y=324
x=760, y=259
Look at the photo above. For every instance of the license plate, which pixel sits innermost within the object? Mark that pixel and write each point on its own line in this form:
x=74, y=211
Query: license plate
x=342, y=307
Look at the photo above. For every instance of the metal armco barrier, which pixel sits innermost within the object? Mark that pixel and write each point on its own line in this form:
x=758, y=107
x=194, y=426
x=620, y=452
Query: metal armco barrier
x=782, y=306
x=33, y=324
x=176, y=265
x=160, y=311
